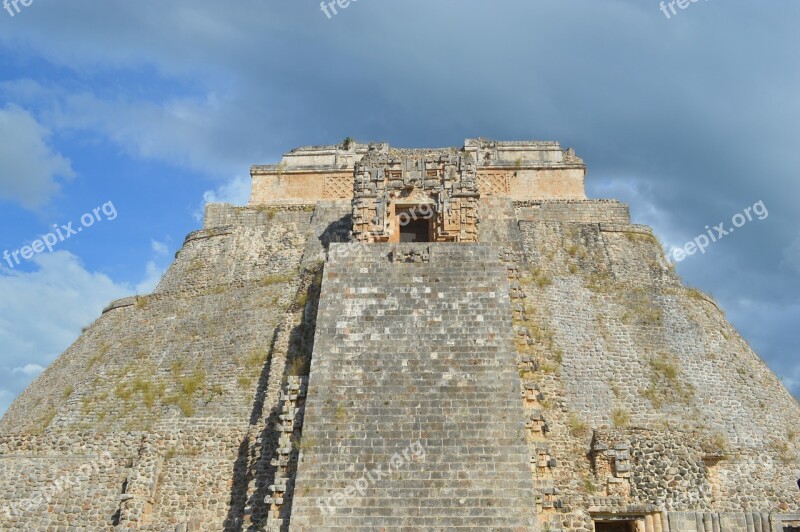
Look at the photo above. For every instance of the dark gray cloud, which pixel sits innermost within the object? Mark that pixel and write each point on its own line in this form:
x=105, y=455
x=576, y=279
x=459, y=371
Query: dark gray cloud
x=690, y=119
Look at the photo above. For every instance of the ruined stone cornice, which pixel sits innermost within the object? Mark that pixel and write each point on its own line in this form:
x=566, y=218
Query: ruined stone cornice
x=487, y=154
x=271, y=169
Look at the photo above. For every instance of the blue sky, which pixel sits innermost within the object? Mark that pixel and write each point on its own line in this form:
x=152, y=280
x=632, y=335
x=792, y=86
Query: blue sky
x=158, y=107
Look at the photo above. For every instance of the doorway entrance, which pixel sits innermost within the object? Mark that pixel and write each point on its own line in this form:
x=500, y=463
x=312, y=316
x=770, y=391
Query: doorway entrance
x=615, y=526
x=414, y=223
x=416, y=231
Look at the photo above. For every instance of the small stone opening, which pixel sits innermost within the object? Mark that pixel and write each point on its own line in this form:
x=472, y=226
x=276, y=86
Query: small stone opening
x=615, y=526
x=414, y=223
x=418, y=230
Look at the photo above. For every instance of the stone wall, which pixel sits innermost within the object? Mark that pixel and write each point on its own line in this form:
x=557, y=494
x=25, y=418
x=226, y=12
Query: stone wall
x=520, y=170
x=160, y=416
x=276, y=187
x=654, y=405
x=546, y=183
x=586, y=211
x=279, y=186
x=215, y=310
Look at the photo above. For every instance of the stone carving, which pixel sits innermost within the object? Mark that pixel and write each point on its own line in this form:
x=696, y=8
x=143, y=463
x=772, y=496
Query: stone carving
x=410, y=255
x=494, y=183
x=337, y=187
x=445, y=184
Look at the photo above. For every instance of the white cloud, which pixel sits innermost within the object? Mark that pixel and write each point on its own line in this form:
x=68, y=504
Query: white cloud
x=179, y=131
x=236, y=191
x=29, y=167
x=29, y=369
x=191, y=130
x=42, y=313
x=644, y=209
x=159, y=248
x=152, y=276
x=153, y=271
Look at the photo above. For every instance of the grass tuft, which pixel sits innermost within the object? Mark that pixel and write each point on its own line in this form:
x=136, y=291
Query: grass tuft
x=299, y=367
x=541, y=278
x=270, y=280
x=666, y=384
x=600, y=283
x=192, y=383
x=620, y=417
x=577, y=426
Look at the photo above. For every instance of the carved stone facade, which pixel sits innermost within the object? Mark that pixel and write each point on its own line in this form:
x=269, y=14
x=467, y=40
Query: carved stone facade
x=518, y=170
x=391, y=192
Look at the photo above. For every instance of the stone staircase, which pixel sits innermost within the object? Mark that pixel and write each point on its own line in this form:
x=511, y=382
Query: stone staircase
x=290, y=424
x=543, y=463
x=413, y=417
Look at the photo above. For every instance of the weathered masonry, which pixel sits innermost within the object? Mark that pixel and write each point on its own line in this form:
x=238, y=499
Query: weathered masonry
x=428, y=199
x=409, y=339
x=515, y=170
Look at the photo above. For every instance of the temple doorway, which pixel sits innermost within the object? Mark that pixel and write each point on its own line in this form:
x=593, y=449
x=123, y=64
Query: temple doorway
x=418, y=230
x=415, y=223
x=615, y=526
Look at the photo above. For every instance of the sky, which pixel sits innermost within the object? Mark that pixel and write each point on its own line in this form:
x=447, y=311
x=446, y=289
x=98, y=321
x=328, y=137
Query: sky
x=129, y=116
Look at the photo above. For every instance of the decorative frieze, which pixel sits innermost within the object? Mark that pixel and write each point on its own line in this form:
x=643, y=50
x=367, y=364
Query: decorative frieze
x=389, y=191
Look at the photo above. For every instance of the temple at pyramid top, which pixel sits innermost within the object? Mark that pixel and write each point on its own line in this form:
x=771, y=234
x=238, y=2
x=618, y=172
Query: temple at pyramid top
x=518, y=170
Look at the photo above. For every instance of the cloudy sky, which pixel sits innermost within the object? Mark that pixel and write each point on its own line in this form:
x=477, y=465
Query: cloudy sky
x=145, y=110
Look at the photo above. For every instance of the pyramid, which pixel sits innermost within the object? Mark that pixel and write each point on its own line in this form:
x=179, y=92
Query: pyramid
x=409, y=339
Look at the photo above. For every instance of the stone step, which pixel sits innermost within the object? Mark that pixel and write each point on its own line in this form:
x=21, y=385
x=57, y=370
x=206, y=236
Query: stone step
x=414, y=372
